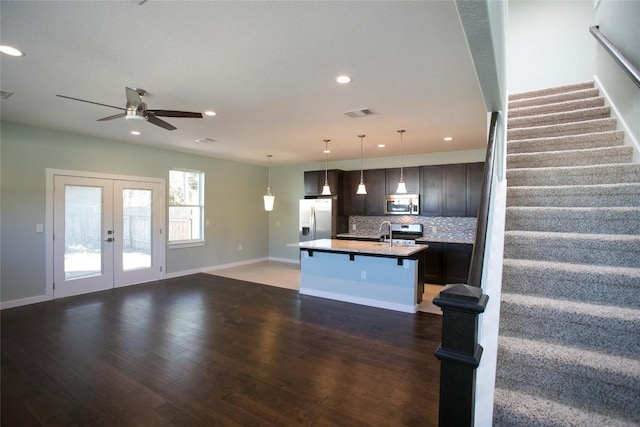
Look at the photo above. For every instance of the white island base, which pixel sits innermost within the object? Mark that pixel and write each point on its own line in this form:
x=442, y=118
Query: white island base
x=384, y=280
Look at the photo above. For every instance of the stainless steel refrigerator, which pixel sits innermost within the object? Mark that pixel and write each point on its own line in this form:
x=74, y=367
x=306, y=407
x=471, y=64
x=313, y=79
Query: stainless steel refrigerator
x=318, y=219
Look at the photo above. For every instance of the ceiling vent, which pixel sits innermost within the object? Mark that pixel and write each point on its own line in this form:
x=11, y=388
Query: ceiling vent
x=5, y=95
x=358, y=113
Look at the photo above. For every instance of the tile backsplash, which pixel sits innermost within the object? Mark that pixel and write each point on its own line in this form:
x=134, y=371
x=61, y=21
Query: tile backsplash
x=458, y=228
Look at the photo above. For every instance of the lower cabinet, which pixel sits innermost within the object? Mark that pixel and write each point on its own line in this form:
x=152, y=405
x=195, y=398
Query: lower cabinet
x=447, y=263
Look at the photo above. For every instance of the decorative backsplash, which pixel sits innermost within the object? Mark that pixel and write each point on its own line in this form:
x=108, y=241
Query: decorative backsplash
x=455, y=228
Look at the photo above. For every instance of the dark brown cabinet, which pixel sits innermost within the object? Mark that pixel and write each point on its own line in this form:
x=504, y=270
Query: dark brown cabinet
x=411, y=180
x=375, y=180
x=314, y=181
x=352, y=203
x=447, y=263
x=475, y=178
x=451, y=190
x=431, y=190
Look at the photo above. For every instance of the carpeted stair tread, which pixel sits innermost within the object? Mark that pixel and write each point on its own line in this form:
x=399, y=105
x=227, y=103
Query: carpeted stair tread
x=574, y=128
x=577, y=362
x=600, y=284
x=579, y=157
x=607, y=317
x=559, y=117
x=595, y=220
x=575, y=104
x=567, y=142
x=517, y=409
x=554, y=98
x=575, y=175
x=552, y=91
x=627, y=194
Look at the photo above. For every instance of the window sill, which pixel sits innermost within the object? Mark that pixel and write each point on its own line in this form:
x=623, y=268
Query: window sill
x=190, y=244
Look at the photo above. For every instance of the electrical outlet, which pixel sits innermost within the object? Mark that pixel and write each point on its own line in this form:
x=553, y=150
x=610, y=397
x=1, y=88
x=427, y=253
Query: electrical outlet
x=353, y=227
x=240, y=247
x=434, y=229
x=363, y=275
x=277, y=223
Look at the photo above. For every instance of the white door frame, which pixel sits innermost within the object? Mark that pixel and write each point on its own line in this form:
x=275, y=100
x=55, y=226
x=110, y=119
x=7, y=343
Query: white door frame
x=48, y=226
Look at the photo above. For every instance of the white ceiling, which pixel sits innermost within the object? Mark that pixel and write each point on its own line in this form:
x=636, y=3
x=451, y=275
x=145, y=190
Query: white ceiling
x=267, y=68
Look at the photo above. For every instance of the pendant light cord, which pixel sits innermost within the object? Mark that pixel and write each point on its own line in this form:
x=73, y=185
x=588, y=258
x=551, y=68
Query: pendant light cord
x=326, y=167
x=269, y=173
x=361, y=159
x=401, y=156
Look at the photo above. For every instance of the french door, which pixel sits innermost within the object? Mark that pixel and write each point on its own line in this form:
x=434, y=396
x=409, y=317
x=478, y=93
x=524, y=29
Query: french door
x=107, y=233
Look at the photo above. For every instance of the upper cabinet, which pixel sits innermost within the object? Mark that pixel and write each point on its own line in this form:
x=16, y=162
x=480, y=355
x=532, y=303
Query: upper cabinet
x=371, y=203
x=314, y=181
x=374, y=179
x=352, y=203
x=451, y=190
x=411, y=180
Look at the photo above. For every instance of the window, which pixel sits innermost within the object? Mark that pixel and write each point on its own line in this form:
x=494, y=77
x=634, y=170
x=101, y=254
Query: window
x=186, y=206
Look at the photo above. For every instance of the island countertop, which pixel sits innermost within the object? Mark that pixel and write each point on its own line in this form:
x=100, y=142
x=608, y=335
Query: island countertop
x=360, y=247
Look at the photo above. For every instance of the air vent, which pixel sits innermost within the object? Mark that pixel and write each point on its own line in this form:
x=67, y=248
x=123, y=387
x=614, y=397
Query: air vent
x=5, y=95
x=358, y=113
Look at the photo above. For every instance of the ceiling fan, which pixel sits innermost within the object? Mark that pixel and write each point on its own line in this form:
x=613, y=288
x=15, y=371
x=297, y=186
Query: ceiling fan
x=137, y=110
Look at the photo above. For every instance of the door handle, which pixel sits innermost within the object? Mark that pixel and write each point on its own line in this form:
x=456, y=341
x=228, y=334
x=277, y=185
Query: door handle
x=110, y=239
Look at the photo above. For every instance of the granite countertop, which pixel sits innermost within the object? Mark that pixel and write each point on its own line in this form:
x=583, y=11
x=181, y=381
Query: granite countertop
x=356, y=246
x=435, y=239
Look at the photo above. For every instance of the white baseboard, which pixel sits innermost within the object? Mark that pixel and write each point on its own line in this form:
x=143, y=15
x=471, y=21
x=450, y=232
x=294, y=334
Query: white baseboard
x=287, y=260
x=405, y=308
x=213, y=268
x=25, y=301
x=623, y=124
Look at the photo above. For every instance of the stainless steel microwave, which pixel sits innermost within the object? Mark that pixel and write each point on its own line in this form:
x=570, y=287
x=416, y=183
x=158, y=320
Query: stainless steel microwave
x=402, y=204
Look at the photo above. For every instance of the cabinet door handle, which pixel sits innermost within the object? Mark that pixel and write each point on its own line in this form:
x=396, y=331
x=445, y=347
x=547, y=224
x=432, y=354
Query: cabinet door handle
x=110, y=239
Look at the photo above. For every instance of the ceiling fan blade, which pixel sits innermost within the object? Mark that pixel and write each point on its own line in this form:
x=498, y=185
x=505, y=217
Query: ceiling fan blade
x=156, y=121
x=90, y=102
x=172, y=113
x=133, y=97
x=116, y=116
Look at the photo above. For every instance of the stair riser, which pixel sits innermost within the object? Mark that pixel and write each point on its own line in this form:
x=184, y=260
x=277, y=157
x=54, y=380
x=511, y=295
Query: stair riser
x=559, y=224
x=550, y=284
x=603, y=337
x=573, y=255
x=580, y=104
x=574, y=142
x=579, y=128
x=551, y=96
x=569, y=199
x=559, y=118
x=569, y=158
x=564, y=176
x=602, y=397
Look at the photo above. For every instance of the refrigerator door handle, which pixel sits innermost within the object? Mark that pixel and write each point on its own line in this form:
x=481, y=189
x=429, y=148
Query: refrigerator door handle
x=313, y=223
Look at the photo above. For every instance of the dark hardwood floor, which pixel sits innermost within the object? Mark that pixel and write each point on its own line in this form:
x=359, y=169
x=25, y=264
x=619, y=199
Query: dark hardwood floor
x=207, y=350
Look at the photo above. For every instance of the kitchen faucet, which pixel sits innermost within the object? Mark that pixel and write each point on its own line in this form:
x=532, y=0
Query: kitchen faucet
x=390, y=232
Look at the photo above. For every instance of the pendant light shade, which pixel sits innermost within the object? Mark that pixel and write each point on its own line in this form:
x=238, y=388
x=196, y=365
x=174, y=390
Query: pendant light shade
x=402, y=188
x=269, y=199
x=326, y=191
x=361, y=188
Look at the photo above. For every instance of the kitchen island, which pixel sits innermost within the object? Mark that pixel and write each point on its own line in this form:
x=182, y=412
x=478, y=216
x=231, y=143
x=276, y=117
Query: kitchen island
x=368, y=273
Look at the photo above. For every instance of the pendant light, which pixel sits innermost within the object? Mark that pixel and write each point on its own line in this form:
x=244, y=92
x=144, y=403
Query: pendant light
x=361, y=188
x=269, y=198
x=326, y=191
x=402, y=188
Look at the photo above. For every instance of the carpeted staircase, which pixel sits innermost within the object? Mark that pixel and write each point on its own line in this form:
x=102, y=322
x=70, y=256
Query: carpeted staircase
x=569, y=344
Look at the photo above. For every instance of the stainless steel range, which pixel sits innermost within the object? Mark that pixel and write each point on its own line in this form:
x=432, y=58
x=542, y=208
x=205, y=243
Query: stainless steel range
x=405, y=234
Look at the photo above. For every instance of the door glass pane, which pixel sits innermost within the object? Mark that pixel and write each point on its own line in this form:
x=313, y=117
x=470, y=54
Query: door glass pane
x=83, y=232
x=136, y=229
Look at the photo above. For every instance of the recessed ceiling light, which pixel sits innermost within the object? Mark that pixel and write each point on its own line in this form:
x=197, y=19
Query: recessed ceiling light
x=448, y=138
x=381, y=145
x=209, y=113
x=12, y=51
x=326, y=151
x=343, y=79
x=205, y=140
x=135, y=132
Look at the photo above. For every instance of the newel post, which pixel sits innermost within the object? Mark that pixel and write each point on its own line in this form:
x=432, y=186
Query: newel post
x=459, y=353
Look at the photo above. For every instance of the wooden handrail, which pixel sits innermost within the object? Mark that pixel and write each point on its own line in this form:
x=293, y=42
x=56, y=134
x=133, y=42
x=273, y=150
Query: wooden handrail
x=477, y=256
x=617, y=55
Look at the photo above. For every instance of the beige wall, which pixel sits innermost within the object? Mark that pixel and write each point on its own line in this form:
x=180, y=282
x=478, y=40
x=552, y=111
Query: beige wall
x=233, y=201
